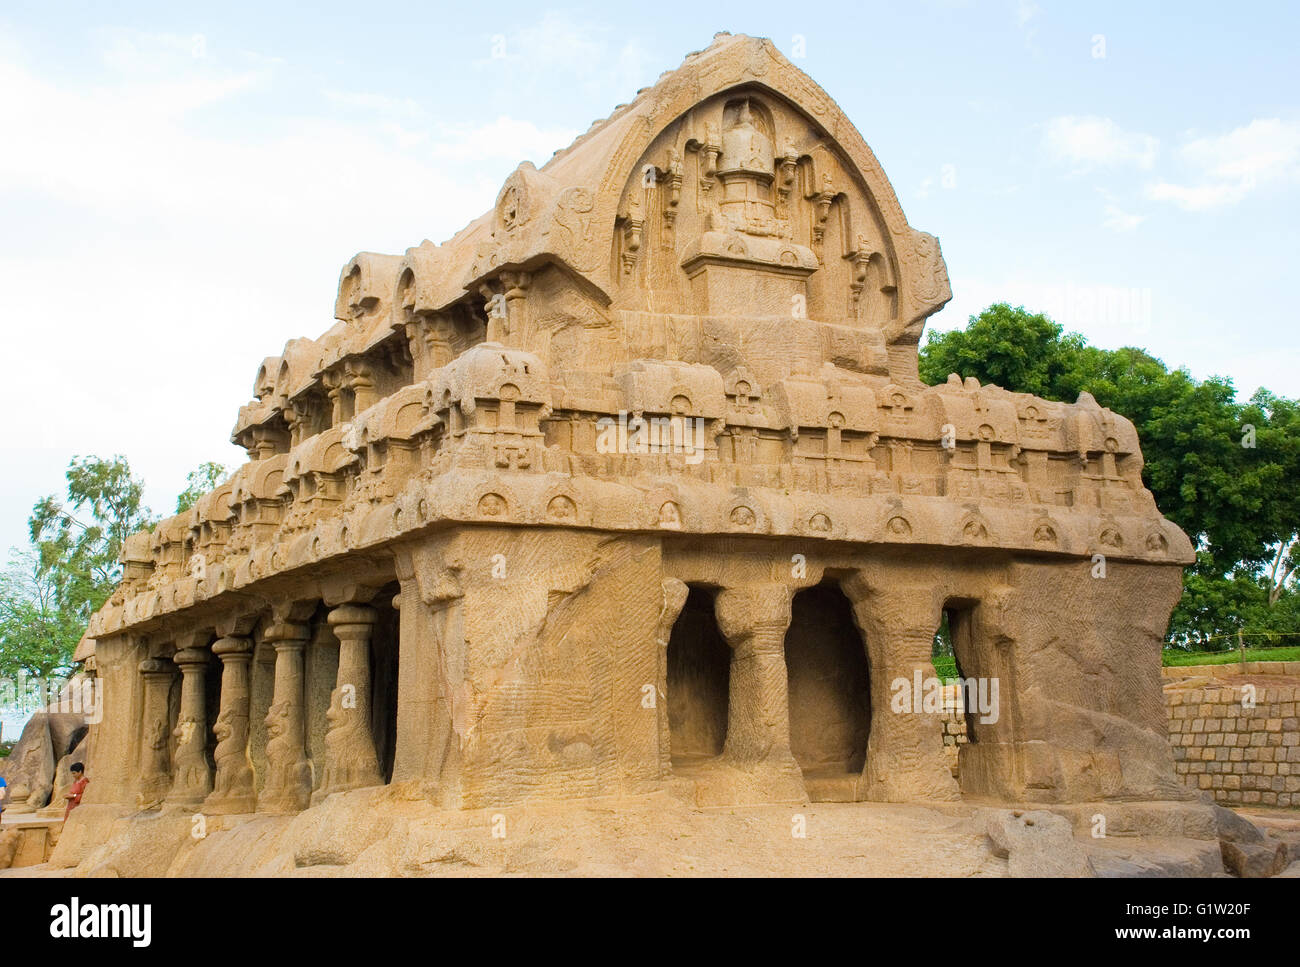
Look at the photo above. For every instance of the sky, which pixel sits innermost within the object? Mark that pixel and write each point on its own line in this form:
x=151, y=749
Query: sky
x=180, y=186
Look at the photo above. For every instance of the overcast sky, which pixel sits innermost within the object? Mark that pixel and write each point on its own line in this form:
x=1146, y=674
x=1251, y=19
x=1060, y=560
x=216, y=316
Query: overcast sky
x=179, y=189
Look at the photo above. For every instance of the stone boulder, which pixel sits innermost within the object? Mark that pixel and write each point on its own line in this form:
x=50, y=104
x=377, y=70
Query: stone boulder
x=29, y=770
x=1035, y=843
x=1247, y=851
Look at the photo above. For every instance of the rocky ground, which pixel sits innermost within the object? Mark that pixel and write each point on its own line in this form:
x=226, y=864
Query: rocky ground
x=394, y=831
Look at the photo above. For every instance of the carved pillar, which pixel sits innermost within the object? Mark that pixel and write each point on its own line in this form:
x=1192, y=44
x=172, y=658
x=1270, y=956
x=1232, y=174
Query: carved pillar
x=754, y=622
x=361, y=381
x=334, y=389
x=350, y=759
x=516, y=291
x=288, y=772
x=193, y=774
x=155, y=737
x=498, y=318
x=675, y=593
x=430, y=668
x=905, y=757
x=233, y=789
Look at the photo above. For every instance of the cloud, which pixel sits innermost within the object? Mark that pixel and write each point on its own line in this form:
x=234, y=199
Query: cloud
x=1027, y=12
x=377, y=104
x=1227, y=168
x=1121, y=221
x=141, y=52
x=602, y=58
x=505, y=138
x=1096, y=142
x=1197, y=198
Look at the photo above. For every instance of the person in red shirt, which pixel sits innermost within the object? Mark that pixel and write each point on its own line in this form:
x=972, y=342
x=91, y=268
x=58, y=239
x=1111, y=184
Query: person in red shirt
x=79, y=783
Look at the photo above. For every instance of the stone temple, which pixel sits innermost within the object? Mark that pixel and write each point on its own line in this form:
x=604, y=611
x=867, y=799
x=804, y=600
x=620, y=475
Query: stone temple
x=632, y=485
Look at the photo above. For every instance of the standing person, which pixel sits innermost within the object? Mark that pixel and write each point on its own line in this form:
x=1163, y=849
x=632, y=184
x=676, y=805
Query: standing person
x=79, y=783
x=4, y=796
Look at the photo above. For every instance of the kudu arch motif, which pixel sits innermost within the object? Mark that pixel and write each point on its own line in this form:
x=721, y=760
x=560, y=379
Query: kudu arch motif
x=432, y=569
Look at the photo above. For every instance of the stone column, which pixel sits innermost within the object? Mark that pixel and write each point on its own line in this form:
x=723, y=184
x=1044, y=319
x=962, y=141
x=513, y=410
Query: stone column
x=288, y=772
x=754, y=621
x=350, y=759
x=233, y=789
x=192, y=774
x=905, y=757
x=155, y=736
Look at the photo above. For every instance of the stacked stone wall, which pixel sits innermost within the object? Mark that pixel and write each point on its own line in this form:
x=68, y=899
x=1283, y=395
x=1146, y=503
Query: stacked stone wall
x=1242, y=755
x=954, y=724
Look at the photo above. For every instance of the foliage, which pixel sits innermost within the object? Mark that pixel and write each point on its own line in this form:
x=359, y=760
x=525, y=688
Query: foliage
x=37, y=634
x=50, y=590
x=200, y=480
x=79, y=541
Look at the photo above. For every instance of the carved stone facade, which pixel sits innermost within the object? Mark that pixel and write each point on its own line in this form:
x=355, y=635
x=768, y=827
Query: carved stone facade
x=632, y=485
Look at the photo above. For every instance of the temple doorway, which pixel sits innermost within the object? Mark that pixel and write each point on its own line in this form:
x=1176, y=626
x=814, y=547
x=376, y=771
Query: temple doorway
x=698, y=683
x=830, y=698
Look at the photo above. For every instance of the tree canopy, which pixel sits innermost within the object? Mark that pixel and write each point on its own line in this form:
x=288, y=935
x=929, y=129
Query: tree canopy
x=198, y=482
x=51, y=588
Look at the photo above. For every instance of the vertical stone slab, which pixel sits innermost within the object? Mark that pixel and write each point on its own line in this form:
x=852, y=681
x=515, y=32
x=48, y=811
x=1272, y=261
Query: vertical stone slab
x=427, y=742
x=546, y=643
x=114, y=749
x=1083, y=658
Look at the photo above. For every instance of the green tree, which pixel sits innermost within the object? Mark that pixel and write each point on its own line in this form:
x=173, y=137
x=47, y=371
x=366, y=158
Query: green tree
x=37, y=634
x=1275, y=422
x=1021, y=351
x=78, y=540
x=200, y=480
x=49, y=591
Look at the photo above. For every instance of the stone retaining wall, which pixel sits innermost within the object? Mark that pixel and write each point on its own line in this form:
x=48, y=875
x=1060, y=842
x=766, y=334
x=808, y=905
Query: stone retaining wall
x=1242, y=755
